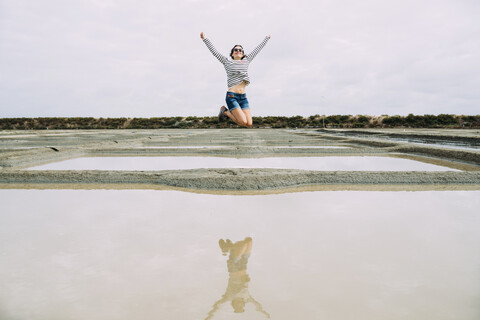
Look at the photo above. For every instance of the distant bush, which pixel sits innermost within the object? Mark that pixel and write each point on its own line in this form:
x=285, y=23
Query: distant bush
x=330, y=121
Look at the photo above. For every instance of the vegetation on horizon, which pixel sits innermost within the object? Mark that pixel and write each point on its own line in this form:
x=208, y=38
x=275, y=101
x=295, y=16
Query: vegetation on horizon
x=315, y=121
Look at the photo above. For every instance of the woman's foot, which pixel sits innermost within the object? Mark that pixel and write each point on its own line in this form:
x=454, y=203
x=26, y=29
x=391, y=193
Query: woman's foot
x=221, y=115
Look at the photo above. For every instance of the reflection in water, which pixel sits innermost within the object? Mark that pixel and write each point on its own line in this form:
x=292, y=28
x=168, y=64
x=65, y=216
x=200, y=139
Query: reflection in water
x=327, y=163
x=237, y=289
x=144, y=254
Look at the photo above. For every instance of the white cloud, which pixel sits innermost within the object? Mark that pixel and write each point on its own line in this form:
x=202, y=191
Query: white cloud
x=124, y=58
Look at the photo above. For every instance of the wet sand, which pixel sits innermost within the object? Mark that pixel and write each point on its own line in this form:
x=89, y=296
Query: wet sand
x=20, y=150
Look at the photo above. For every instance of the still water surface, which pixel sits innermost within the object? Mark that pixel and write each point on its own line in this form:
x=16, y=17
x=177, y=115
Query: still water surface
x=152, y=254
x=330, y=163
x=214, y=147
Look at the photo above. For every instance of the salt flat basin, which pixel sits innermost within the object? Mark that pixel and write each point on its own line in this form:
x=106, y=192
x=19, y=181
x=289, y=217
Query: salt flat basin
x=333, y=163
x=136, y=254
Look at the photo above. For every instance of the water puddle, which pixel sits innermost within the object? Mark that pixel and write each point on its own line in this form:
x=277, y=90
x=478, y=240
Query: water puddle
x=136, y=254
x=330, y=163
x=183, y=147
x=232, y=146
x=431, y=141
x=441, y=145
x=311, y=147
x=19, y=147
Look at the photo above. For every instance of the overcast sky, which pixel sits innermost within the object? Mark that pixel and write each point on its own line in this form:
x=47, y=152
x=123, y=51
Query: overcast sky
x=126, y=58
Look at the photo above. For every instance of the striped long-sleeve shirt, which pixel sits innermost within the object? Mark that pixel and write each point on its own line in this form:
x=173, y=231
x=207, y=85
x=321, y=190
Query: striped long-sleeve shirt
x=237, y=70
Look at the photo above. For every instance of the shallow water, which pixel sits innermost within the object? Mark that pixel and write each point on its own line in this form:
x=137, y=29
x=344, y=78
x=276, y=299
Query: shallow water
x=443, y=145
x=330, y=163
x=232, y=146
x=440, y=143
x=18, y=147
x=182, y=147
x=313, y=147
x=432, y=141
x=68, y=254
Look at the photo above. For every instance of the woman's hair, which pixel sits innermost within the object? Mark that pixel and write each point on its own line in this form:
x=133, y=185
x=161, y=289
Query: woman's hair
x=231, y=51
x=238, y=305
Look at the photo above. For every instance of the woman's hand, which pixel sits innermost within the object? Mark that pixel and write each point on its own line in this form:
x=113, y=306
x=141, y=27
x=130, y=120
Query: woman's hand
x=202, y=36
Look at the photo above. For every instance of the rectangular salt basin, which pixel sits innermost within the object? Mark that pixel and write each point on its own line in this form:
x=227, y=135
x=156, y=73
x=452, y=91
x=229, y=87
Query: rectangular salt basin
x=101, y=255
x=304, y=163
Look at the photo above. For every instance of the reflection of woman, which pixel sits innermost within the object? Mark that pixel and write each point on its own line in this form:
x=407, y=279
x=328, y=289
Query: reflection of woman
x=237, y=289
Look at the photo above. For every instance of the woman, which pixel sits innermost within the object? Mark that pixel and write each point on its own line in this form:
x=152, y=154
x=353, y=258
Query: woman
x=237, y=79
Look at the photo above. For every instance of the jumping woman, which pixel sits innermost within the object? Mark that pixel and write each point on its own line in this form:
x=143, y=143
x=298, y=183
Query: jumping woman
x=237, y=79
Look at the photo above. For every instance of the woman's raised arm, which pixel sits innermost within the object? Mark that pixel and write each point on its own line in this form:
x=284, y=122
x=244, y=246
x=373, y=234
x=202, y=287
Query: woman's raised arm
x=212, y=49
x=255, y=51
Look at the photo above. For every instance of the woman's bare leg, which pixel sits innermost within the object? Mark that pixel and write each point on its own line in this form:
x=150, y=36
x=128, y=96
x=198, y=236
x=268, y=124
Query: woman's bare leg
x=238, y=116
x=230, y=115
x=248, y=116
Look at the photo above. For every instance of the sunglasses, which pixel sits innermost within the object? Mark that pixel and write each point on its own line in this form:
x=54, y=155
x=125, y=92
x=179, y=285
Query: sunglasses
x=237, y=50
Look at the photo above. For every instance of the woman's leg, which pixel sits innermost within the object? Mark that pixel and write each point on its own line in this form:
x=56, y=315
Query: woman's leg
x=248, y=116
x=243, y=102
x=238, y=116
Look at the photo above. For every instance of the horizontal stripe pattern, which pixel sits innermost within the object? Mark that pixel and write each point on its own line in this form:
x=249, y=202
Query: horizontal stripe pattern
x=237, y=70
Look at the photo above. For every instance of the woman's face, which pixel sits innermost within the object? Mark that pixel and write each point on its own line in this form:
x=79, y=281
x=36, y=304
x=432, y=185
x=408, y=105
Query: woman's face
x=237, y=52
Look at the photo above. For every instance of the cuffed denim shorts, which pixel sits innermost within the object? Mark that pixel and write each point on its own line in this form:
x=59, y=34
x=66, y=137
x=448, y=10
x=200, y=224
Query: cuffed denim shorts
x=236, y=100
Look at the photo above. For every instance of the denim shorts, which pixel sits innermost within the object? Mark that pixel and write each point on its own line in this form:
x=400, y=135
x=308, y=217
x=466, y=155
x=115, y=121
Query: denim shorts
x=236, y=100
